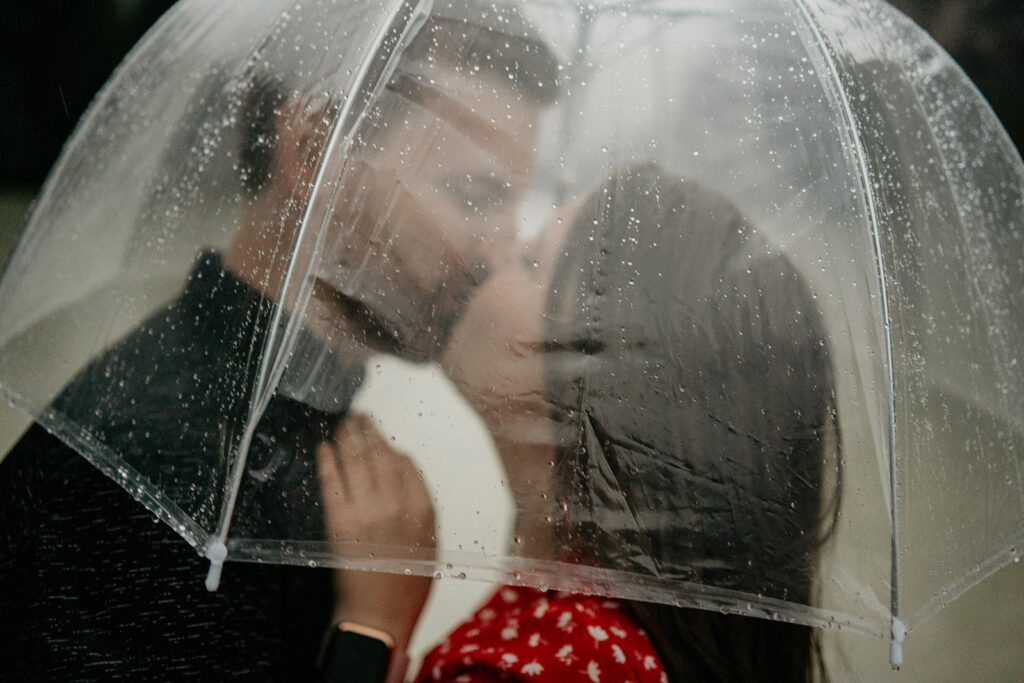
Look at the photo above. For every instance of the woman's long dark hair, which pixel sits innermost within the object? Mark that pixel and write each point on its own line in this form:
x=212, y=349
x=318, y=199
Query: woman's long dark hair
x=703, y=417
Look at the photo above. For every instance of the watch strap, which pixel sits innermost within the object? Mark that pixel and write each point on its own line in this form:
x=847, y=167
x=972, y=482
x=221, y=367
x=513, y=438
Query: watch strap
x=356, y=653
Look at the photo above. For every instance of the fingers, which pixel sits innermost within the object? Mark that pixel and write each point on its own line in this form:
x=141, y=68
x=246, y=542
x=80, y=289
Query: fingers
x=372, y=493
x=348, y=467
x=331, y=481
x=365, y=462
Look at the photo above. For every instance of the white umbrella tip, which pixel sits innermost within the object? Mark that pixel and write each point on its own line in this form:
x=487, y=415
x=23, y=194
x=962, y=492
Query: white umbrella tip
x=899, y=632
x=216, y=553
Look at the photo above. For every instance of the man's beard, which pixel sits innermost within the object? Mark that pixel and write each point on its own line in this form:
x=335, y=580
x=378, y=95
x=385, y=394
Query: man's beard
x=397, y=316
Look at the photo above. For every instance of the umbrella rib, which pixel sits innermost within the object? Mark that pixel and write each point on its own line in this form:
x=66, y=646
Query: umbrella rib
x=822, y=47
x=405, y=21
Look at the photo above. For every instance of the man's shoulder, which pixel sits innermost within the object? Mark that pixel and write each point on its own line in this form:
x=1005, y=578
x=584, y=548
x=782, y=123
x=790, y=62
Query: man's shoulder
x=33, y=460
x=41, y=473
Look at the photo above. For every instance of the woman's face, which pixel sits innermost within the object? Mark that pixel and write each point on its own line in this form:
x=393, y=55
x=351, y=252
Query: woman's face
x=495, y=355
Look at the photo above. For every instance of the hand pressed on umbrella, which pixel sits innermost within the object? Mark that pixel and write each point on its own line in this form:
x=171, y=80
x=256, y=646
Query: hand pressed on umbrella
x=374, y=495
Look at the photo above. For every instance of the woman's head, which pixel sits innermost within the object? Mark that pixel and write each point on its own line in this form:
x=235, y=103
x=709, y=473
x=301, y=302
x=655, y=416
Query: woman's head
x=700, y=394
x=703, y=414
x=673, y=370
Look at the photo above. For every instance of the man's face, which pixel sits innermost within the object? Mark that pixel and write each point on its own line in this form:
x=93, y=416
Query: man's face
x=426, y=204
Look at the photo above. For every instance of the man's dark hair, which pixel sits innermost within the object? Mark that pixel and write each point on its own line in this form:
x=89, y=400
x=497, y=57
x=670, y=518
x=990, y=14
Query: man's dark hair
x=498, y=39
x=263, y=98
x=462, y=33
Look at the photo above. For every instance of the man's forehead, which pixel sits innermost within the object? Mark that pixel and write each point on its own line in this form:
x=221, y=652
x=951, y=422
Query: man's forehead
x=478, y=108
x=473, y=86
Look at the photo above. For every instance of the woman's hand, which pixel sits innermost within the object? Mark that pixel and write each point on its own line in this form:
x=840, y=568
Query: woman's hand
x=374, y=495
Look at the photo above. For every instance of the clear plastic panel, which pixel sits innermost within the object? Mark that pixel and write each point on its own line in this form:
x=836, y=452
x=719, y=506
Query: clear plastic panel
x=949, y=189
x=148, y=273
x=948, y=186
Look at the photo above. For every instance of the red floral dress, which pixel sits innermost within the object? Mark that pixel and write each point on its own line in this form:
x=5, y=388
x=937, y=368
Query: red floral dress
x=526, y=635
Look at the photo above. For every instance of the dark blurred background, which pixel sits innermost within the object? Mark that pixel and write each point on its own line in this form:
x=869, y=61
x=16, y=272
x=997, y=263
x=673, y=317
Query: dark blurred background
x=986, y=38
x=56, y=54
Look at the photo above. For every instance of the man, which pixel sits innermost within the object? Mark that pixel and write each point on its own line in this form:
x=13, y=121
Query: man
x=93, y=588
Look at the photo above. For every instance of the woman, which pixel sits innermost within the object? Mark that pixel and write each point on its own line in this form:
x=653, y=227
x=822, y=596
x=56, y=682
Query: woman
x=658, y=384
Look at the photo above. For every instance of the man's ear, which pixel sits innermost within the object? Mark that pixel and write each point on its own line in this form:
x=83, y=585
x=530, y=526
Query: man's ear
x=302, y=130
x=294, y=154
x=256, y=252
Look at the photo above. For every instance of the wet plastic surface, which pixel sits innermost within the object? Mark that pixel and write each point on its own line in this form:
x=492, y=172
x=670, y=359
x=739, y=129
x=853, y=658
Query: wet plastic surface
x=730, y=288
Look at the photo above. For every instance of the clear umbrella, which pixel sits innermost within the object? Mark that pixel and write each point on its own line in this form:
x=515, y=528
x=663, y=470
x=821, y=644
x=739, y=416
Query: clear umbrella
x=774, y=367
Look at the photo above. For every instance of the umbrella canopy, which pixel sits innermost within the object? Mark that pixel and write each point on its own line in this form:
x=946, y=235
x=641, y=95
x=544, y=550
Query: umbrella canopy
x=769, y=360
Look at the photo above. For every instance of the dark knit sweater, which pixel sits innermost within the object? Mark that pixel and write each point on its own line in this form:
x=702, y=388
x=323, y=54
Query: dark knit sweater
x=92, y=587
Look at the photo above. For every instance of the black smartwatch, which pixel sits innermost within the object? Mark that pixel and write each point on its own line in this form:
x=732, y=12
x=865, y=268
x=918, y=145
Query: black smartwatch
x=355, y=653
